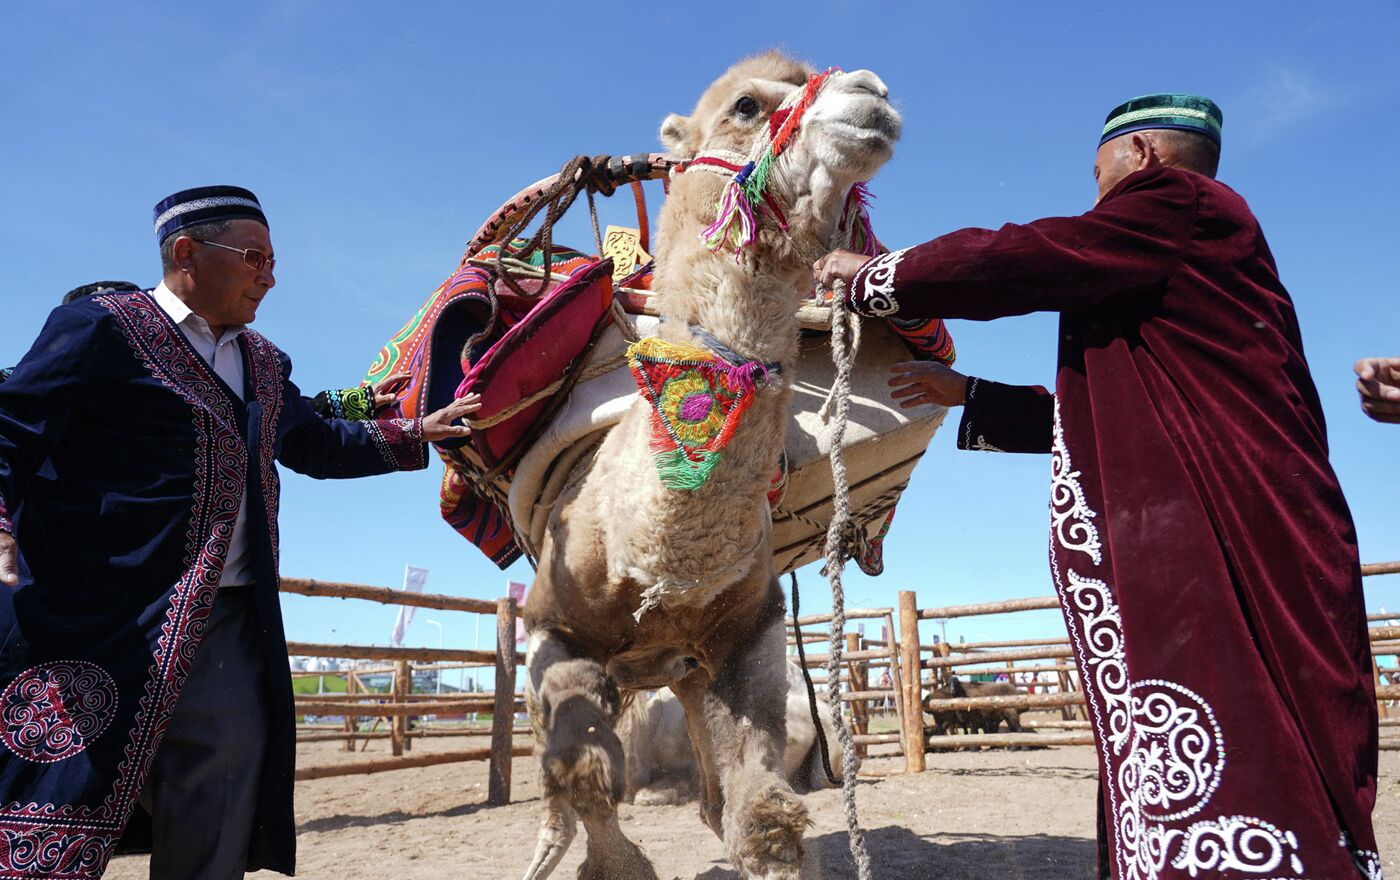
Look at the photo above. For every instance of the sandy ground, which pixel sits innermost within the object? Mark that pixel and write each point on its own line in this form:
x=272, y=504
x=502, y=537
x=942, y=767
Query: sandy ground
x=1023, y=815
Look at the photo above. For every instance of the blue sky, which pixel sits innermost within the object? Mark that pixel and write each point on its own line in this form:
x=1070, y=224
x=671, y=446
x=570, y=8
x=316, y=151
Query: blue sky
x=378, y=138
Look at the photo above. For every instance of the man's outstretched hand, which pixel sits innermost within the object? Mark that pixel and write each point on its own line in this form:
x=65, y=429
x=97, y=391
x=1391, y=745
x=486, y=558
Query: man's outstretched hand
x=442, y=424
x=1378, y=380
x=837, y=264
x=383, y=391
x=9, y=560
x=917, y=383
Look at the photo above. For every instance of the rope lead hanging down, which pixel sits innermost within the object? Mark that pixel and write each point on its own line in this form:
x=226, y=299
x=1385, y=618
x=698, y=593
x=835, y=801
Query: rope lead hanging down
x=838, y=537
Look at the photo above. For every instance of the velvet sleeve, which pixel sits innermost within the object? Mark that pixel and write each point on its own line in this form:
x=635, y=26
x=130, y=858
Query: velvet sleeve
x=38, y=401
x=1006, y=418
x=1129, y=245
x=336, y=448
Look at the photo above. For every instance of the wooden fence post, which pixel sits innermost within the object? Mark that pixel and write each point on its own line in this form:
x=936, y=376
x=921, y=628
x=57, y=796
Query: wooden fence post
x=503, y=717
x=860, y=681
x=913, y=690
x=398, y=725
x=350, y=720
x=896, y=680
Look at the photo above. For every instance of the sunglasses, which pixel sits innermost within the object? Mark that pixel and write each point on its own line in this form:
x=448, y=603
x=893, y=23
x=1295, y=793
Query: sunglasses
x=252, y=257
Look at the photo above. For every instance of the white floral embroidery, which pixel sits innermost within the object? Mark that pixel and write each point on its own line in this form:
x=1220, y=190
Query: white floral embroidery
x=1235, y=843
x=1101, y=652
x=875, y=285
x=1067, y=505
x=1178, y=751
x=981, y=445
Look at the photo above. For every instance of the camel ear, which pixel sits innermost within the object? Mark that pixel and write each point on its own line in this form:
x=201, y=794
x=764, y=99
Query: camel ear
x=675, y=132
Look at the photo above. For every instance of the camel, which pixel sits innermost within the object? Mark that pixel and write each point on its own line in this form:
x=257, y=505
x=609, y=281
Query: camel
x=644, y=586
x=661, y=767
x=975, y=720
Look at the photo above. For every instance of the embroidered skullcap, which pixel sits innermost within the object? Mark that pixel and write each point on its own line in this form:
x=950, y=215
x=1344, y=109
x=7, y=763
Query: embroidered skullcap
x=1184, y=112
x=204, y=204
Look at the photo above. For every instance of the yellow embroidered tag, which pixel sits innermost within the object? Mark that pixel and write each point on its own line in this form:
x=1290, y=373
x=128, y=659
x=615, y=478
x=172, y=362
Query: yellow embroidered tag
x=624, y=245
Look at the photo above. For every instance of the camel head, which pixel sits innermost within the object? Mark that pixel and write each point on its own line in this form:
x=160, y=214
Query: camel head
x=734, y=253
x=846, y=134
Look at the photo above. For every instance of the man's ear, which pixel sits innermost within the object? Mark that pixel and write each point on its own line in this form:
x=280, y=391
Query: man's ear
x=1144, y=151
x=182, y=253
x=675, y=133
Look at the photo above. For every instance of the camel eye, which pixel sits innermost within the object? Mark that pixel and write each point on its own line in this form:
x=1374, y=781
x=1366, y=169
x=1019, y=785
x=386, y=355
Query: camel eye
x=746, y=107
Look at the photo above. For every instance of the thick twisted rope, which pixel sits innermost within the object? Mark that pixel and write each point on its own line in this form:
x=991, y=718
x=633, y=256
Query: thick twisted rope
x=838, y=540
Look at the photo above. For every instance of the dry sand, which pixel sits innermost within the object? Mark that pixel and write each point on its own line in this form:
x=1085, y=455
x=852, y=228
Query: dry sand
x=1022, y=815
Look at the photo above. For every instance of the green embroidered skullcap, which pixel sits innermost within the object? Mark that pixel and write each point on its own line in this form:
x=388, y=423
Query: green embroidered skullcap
x=1184, y=112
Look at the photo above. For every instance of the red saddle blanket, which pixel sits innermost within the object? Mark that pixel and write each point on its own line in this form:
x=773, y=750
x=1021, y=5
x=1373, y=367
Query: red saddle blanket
x=453, y=345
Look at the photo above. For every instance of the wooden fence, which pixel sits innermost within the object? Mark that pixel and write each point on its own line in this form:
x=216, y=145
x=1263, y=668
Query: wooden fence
x=861, y=656
x=1044, y=667
x=400, y=704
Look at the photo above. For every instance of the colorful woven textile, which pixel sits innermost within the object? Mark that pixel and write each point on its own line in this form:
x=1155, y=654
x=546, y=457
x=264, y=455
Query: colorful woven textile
x=475, y=518
x=697, y=400
x=928, y=339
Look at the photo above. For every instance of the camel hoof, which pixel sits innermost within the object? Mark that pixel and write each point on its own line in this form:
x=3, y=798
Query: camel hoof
x=626, y=862
x=769, y=839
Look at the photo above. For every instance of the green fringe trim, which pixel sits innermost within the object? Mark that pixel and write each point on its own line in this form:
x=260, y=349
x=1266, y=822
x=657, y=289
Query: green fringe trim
x=678, y=471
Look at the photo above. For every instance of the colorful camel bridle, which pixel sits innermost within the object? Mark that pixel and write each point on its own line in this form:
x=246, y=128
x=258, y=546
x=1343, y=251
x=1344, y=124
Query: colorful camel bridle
x=750, y=192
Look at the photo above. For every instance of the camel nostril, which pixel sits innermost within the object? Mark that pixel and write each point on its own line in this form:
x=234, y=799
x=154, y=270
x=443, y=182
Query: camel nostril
x=692, y=663
x=865, y=81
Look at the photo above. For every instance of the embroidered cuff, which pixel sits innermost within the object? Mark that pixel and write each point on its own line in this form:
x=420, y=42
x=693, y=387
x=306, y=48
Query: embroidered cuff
x=969, y=437
x=400, y=443
x=872, y=289
x=355, y=404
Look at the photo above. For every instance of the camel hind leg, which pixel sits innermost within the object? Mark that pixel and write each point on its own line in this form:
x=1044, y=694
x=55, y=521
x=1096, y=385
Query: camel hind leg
x=573, y=707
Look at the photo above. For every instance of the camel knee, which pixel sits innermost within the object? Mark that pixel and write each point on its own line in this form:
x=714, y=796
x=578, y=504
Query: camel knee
x=580, y=757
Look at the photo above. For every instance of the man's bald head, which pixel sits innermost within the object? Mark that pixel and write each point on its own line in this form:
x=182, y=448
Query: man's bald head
x=1147, y=148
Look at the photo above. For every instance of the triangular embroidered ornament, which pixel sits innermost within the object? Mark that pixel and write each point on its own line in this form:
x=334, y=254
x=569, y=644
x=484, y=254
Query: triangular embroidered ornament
x=697, y=400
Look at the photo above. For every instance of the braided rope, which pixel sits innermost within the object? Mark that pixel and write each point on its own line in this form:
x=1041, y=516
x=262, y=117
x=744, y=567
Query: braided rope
x=838, y=540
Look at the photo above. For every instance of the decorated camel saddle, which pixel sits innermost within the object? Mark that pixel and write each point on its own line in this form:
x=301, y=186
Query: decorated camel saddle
x=559, y=343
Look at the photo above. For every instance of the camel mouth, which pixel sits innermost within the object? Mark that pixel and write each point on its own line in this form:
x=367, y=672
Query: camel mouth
x=860, y=126
x=874, y=138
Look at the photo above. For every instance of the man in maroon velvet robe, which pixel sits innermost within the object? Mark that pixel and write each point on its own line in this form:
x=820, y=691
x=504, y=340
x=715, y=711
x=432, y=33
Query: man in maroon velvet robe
x=1202, y=550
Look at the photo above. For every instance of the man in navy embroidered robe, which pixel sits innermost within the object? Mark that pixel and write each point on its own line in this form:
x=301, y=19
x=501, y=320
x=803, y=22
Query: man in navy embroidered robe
x=138, y=441
x=1203, y=553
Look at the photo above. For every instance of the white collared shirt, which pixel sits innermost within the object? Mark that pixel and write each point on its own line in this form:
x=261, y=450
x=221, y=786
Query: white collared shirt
x=225, y=357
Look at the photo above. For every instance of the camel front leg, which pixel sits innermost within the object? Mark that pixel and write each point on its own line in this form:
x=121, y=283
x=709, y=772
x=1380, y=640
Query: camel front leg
x=573, y=707
x=744, y=713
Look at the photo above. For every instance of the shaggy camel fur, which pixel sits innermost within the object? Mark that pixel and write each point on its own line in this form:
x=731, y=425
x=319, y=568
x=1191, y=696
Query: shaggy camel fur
x=716, y=638
x=661, y=767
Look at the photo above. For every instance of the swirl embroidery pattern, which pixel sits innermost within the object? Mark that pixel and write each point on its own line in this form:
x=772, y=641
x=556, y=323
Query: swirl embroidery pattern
x=55, y=710
x=1067, y=505
x=266, y=369
x=874, y=285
